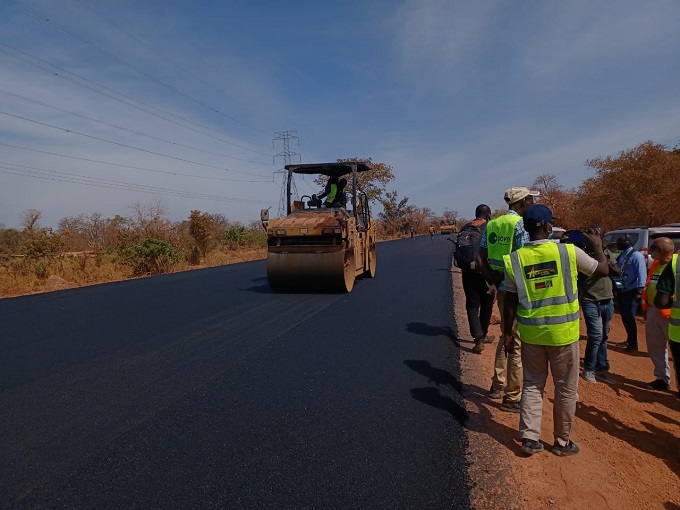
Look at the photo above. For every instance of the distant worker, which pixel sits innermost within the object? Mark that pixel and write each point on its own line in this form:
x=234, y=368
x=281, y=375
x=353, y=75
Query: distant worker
x=633, y=266
x=413, y=233
x=504, y=235
x=656, y=319
x=431, y=232
x=667, y=293
x=542, y=296
x=478, y=301
x=330, y=192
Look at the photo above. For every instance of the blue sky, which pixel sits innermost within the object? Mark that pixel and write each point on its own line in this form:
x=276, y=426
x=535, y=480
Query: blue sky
x=180, y=100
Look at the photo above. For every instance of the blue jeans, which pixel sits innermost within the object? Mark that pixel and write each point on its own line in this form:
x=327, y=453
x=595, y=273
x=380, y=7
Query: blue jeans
x=598, y=316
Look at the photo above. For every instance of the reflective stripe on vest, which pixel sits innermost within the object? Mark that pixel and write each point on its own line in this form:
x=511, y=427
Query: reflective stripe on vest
x=500, y=238
x=674, y=321
x=545, y=276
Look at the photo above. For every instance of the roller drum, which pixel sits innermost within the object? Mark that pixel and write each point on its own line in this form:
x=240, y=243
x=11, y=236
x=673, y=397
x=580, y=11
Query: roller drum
x=331, y=271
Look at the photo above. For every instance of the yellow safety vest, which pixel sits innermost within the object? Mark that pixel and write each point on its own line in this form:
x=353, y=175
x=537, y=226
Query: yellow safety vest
x=649, y=293
x=500, y=235
x=331, y=194
x=674, y=321
x=545, y=275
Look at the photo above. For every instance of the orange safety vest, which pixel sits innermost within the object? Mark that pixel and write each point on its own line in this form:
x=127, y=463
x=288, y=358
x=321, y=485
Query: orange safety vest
x=665, y=312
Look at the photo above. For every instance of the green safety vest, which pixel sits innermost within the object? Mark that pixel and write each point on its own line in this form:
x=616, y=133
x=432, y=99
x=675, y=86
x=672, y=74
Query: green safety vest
x=674, y=321
x=545, y=275
x=331, y=194
x=500, y=235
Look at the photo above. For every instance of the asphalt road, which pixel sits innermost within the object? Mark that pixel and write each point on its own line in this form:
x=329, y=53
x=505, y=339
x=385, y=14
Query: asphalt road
x=205, y=390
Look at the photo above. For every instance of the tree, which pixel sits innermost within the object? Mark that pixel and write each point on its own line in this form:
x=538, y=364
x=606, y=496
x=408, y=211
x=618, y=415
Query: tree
x=201, y=229
x=43, y=243
x=549, y=188
x=393, y=218
x=419, y=218
x=148, y=220
x=450, y=217
x=31, y=219
x=557, y=198
x=11, y=241
x=639, y=186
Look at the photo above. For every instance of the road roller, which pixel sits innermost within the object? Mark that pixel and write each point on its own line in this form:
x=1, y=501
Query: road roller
x=322, y=246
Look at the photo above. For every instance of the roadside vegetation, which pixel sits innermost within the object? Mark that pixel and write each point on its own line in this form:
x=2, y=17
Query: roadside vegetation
x=639, y=186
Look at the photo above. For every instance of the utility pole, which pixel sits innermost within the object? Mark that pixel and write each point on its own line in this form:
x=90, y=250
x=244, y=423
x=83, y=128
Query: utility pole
x=285, y=137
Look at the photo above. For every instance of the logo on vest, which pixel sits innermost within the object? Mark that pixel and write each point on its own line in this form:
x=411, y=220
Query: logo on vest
x=495, y=238
x=543, y=285
x=542, y=270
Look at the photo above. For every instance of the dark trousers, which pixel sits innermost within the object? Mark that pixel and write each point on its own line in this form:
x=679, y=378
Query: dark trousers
x=628, y=306
x=675, y=352
x=478, y=303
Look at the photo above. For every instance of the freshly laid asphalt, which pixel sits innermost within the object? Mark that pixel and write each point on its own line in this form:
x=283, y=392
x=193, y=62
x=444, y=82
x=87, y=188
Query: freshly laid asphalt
x=204, y=389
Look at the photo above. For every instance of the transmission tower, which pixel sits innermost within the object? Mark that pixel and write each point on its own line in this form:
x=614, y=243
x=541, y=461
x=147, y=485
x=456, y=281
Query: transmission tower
x=285, y=137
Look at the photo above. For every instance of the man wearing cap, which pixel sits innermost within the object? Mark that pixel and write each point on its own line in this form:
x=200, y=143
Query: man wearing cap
x=541, y=287
x=502, y=236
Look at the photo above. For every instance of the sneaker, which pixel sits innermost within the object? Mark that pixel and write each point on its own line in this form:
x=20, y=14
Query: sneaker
x=479, y=346
x=588, y=375
x=570, y=448
x=489, y=339
x=659, y=385
x=622, y=345
x=529, y=446
x=510, y=407
x=495, y=393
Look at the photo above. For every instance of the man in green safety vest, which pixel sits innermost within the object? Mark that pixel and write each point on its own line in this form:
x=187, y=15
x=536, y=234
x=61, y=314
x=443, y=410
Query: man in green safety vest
x=501, y=236
x=330, y=192
x=542, y=295
x=667, y=297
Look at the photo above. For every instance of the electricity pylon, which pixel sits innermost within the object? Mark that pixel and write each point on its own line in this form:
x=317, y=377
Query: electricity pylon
x=285, y=137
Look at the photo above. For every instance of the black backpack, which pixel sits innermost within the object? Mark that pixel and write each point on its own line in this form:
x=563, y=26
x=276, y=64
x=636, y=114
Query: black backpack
x=467, y=246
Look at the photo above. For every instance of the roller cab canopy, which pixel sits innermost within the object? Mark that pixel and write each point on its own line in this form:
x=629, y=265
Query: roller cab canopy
x=329, y=169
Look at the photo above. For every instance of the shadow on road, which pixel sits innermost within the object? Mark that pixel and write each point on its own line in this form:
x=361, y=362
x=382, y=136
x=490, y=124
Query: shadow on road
x=432, y=397
x=420, y=328
x=434, y=375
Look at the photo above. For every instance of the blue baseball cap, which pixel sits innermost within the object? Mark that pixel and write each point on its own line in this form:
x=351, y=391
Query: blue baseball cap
x=539, y=214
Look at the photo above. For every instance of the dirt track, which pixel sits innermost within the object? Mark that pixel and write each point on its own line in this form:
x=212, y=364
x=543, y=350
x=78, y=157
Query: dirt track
x=629, y=437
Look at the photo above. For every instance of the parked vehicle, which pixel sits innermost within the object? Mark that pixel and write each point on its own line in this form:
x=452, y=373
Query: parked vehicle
x=641, y=237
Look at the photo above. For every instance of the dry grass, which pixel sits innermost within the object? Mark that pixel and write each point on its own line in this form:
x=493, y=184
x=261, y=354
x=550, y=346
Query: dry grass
x=21, y=276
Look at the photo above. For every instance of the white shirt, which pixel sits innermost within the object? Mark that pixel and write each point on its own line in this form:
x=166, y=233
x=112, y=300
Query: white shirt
x=584, y=263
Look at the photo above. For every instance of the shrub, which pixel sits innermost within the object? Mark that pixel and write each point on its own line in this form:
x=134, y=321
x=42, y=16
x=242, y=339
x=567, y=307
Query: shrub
x=41, y=271
x=151, y=256
x=237, y=236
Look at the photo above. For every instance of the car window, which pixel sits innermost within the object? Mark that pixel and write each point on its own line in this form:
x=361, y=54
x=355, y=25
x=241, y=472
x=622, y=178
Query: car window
x=674, y=236
x=611, y=237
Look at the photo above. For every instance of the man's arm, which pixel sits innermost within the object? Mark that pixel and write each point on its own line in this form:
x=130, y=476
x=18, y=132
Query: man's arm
x=482, y=262
x=595, y=243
